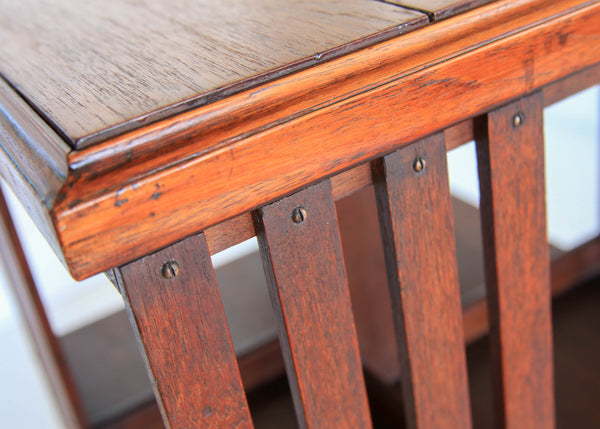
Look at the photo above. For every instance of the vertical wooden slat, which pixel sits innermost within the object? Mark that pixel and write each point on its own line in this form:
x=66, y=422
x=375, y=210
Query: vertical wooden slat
x=510, y=150
x=417, y=228
x=46, y=344
x=184, y=335
x=303, y=263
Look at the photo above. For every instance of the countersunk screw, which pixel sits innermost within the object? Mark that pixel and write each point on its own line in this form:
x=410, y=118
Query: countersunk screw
x=299, y=214
x=419, y=164
x=170, y=270
x=518, y=120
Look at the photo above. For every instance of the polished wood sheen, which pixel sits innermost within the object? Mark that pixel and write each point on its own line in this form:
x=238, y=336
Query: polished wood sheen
x=117, y=65
x=307, y=281
x=417, y=230
x=215, y=169
x=510, y=153
x=184, y=335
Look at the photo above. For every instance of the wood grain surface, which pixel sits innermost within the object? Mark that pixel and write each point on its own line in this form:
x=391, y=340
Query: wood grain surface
x=440, y=9
x=418, y=235
x=367, y=280
x=184, y=336
x=33, y=160
x=305, y=272
x=89, y=66
x=46, y=344
x=517, y=262
x=202, y=181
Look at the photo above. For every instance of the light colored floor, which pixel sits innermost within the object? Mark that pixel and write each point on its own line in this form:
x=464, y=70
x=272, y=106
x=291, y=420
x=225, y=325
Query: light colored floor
x=572, y=160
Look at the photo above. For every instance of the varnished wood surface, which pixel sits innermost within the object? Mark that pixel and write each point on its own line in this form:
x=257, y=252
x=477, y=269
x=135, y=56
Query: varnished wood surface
x=305, y=271
x=184, y=335
x=517, y=262
x=91, y=66
x=46, y=344
x=33, y=160
x=202, y=182
x=367, y=280
x=440, y=9
x=418, y=235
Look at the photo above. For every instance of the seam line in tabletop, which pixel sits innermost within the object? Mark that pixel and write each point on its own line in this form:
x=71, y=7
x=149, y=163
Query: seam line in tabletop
x=96, y=159
x=256, y=80
x=70, y=143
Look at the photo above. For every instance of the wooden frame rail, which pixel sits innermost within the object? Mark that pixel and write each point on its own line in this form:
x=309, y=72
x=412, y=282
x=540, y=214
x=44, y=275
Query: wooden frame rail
x=270, y=162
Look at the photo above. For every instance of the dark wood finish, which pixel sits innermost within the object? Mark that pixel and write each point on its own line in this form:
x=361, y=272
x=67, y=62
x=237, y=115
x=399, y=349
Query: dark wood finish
x=261, y=366
x=32, y=310
x=117, y=66
x=440, y=9
x=517, y=262
x=107, y=368
x=184, y=335
x=307, y=281
x=216, y=167
x=367, y=280
x=575, y=321
x=418, y=235
x=572, y=84
x=33, y=160
x=145, y=417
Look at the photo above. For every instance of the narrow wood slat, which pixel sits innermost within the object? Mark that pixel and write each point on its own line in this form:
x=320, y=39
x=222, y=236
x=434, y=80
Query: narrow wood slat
x=183, y=331
x=46, y=344
x=517, y=262
x=307, y=281
x=417, y=228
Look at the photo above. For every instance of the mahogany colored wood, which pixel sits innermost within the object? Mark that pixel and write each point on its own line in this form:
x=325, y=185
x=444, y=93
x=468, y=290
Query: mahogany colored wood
x=216, y=167
x=510, y=151
x=32, y=310
x=417, y=230
x=572, y=84
x=184, y=335
x=367, y=281
x=115, y=66
x=261, y=366
x=302, y=258
x=440, y=9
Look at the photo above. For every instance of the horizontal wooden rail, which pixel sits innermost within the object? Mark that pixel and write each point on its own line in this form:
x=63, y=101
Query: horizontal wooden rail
x=227, y=172
x=219, y=161
x=240, y=228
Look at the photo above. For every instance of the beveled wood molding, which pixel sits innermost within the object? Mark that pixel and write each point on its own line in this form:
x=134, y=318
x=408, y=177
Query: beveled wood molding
x=33, y=160
x=218, y=162
x=232, y=156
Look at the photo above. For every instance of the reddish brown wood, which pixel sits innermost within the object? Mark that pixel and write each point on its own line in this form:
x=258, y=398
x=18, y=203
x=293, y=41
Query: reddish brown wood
x=517, y=262
x=367, y=280
x=184, y=335
x=262, y=365
x=571, y=84
x=418, y=235
x=214, y=168
x=303, y=262
x=46, y=344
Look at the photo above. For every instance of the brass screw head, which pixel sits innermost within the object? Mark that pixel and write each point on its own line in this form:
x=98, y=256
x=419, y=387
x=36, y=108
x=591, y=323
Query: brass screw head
x=170, y=270
x=299, y=214
x=518, y=120
x=419, y=164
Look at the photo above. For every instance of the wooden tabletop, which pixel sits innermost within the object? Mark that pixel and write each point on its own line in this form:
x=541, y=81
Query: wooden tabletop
x=89, y=66
x=118, y=120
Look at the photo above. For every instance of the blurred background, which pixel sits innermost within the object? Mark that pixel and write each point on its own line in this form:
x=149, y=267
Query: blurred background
x=572, y=135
